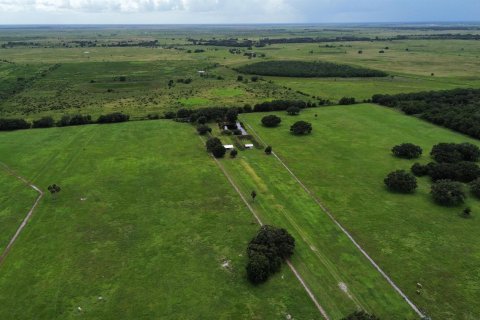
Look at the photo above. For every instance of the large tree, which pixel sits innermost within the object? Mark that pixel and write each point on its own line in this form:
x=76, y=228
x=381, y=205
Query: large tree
x=271, y=121
x=301, y=128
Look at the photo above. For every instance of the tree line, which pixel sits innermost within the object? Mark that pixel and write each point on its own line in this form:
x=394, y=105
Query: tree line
x=10, y=124
x=456, y=109
x=308, y=69
x=218, y=113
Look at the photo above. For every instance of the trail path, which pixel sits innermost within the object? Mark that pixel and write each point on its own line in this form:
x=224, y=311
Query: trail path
x=330, y=215
x=29, y=214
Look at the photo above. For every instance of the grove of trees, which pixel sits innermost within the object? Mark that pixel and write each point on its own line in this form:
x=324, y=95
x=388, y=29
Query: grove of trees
x=456, y=109
x=308, y=69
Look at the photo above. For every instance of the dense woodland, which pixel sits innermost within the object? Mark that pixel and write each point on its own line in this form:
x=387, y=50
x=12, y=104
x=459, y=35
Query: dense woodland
x=457, y=109
x=308, y=69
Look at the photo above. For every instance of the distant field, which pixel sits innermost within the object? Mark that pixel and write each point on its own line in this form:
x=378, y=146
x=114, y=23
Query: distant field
x=157, y=222
x=344, y=162
x=365, y=88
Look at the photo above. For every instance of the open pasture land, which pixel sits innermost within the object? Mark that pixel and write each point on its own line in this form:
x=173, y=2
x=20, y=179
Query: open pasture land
x=342, y=279
x=146, y=226
x=344, y=161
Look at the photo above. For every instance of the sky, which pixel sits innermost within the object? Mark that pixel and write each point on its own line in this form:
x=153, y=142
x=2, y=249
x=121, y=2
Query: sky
x=234, y=11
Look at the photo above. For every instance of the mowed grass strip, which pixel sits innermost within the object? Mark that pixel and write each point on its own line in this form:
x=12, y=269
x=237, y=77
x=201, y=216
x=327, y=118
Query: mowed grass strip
x=16, y=199
x=344, y=162
x=338, y=274
x=145, y=227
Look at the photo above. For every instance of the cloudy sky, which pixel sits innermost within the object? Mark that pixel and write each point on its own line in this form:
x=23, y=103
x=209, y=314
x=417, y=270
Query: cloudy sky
x=235, y=11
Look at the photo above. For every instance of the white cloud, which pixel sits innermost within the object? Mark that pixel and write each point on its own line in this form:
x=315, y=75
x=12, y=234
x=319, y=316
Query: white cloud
x=123, y=5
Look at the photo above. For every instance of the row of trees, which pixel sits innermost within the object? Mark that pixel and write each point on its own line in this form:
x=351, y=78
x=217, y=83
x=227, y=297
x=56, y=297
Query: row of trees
x=308, y=69
x=66, y=120
x=229, y=114
x=266, y=252
x=456, y=109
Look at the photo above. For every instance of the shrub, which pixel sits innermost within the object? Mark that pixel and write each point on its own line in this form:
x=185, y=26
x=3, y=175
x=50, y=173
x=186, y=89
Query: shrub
x=203, y=129
x=293, y=111
x=447, y=193
x=153, y=116
x=360, y=315
x=419, y=170
x=475, y=187
x=401, y=181
x=446, y=152
x=470, y=152
x=301, y=127
x=113, y=118
x=271, y=121
x=268, y=150
x=44, y=122
x=202, y=120
x=219, y=151
x=463, y=171
x=233, y=153
x=183, y=113
x=13, y=124
x=170, y=115
x=346, y=101
x=212, y=143
x=407, y=151
x=75, y=120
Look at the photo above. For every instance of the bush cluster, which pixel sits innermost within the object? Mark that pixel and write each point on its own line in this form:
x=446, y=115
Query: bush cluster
x=266, y=252
x=401, y=181
x=113, y=117
x=407, y=151
x=448, y=193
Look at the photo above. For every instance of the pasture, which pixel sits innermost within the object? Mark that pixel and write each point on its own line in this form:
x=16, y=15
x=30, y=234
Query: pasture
x=344, y=161
x=148, y=229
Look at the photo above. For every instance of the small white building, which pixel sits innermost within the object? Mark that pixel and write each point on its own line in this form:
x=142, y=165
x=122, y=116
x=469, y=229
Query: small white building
x=249, y=146
x=202, y=72
x=228, y=146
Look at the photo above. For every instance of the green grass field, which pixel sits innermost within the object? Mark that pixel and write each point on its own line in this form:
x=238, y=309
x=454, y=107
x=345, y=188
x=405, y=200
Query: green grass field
x=344, y=162
x=157, y=221
x=324, y=255
x=147, y=225
x=16, y=200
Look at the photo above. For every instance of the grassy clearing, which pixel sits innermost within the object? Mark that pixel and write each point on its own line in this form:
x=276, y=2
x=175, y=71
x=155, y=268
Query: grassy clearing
x=157, y=222
x=344, y=162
